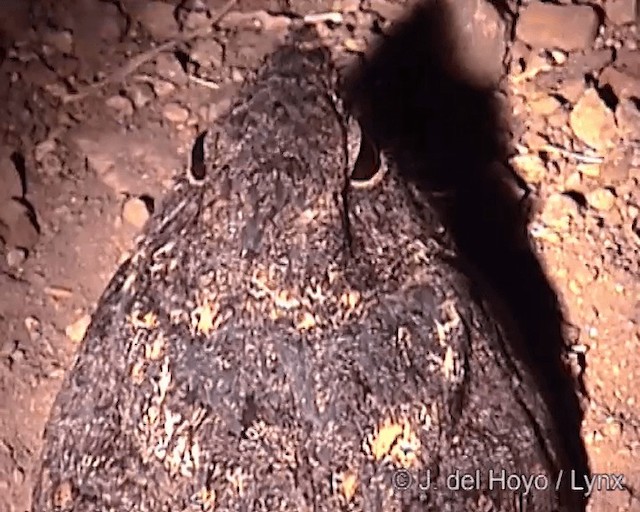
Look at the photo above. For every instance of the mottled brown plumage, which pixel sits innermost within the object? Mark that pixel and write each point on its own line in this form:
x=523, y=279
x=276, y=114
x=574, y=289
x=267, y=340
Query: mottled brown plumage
x=283, y=341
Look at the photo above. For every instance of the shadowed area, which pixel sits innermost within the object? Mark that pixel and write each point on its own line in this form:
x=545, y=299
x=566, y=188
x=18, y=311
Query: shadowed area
x=446, y=135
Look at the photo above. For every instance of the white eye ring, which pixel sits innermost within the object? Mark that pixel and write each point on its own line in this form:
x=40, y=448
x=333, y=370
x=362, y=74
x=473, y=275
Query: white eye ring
x=369, y=165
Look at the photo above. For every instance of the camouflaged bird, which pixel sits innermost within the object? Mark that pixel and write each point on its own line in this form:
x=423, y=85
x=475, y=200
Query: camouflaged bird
x=285, y=338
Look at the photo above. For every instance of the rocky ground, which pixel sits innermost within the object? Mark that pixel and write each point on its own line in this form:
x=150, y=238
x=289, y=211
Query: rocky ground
x=102, y=102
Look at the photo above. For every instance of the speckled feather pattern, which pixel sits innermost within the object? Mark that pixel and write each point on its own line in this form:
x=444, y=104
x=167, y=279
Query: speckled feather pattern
x=280, y=343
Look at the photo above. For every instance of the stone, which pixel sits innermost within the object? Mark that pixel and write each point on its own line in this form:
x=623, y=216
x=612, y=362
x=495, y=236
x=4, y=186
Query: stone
x=10, y=180
x=621, y=12
x=175, y=113
x=558, y=211
x=534, y=65
x=386, y=9
x=572, y=90
x=564, y=27
x=18, y=225
x=96, y=22
x=140, y=94
x=628, y=119
x=60, y=40
x=249, y=21
x=628, y=60
x=615, y=168
x=479, y=43
x=601, y=199
x=36, y=73
x=559, y=57
x=121, y=105
x=573, y=181
x=16, y=257
x=623, y=84
x=346, y=5
x=158, y=19
x=43, y=149
x=354, y=45
x=248, y=50
x=135, y=212
x=218, y=108
x=58, y=292
x=208, y=53
x=76, y=330
x=544, y=105
x=98, y=156
x=196, y=20
x=112, y=156
x=168, y=68
x=112, y=25
x=530, y=167
x=534, y=141
x=558, y=119
x=592, y=121
x=50, y=165
x=163, y=88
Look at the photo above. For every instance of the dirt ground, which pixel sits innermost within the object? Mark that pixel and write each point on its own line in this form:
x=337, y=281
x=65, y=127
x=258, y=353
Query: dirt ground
x=96, y=123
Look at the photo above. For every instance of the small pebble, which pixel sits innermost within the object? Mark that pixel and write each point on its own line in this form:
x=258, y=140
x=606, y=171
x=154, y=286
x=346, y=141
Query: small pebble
x=162, y=88
x=17, y=225
x=558, y=211
x=16, y=257
x=61, y=41
x=592, y=121
x=135, y=212
x=175, y=113
x=168, y=68
x=530, y=167
x=43, y=149
x=559, y=57
x=123, y=106
x=58, y=292
x=141, y=94
x=76, y=331
x=158, y=19
x=601, y=199
x=237, y=76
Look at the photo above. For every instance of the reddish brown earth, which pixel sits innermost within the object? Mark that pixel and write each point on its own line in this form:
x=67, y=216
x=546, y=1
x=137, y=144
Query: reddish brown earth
x=81, y=166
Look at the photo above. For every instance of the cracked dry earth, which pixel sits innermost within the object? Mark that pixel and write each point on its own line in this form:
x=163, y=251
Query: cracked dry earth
x=82, y=165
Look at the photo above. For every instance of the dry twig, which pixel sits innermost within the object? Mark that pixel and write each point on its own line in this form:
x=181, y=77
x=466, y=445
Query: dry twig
x=580, y=157
x=120, y=74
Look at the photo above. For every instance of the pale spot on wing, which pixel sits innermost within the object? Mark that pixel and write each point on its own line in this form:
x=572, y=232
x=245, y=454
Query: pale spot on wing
x=63, y=495
x=349, y=300
x=237, y=479
x=284, y=299
x=396, y=441
x=137, y=372
x=204, y=319
x=148, y=321
x=306, y=321
x=156, y=349
x=349, y=485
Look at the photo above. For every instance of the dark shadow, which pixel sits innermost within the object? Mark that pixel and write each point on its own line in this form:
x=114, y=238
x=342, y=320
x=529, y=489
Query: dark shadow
x=149, y=202
x=445, y=134
x=198, y=168
x=19, y=163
